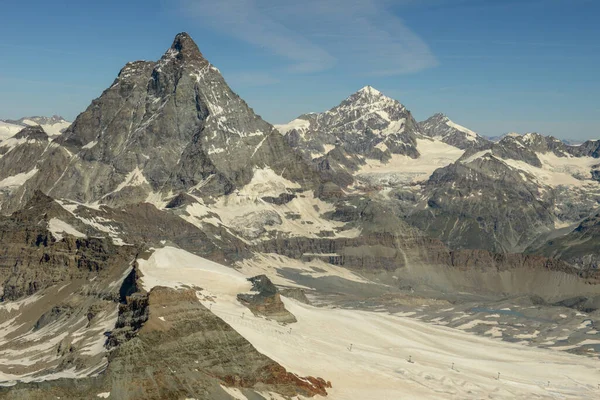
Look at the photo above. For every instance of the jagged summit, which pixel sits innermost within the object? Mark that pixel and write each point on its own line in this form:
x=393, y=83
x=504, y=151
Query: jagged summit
x=440, y=116
x=369, y=90
x=185, y=47
x=366, y=124
x=368, y=95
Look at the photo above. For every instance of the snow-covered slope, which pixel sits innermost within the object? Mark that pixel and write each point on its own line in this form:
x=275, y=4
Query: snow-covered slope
x=366, y=355
x=7, y=130
x=442, y=128
x=401, y=169
x=53, y=126
x=252, y=213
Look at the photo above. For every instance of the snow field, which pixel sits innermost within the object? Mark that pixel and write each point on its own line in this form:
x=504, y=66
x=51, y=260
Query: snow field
x=365, y=354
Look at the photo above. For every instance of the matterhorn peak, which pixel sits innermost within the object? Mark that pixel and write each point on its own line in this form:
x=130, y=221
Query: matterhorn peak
x=185, y=47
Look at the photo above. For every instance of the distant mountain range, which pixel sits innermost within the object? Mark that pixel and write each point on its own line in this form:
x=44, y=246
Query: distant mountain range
x=571, y=142
x=53, y=126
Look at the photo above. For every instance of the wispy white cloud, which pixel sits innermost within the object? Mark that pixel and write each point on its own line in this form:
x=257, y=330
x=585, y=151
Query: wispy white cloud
x=355, y=36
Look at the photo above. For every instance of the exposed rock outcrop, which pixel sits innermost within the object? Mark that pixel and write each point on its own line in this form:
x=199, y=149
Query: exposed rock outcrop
x=267, y=301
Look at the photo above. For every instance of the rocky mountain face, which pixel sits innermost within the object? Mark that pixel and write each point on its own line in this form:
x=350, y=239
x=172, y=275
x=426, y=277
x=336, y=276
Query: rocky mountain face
x=162, y=127
x=580, y=246
x=8, y=130
x=172, y=133
x=367, y=124
x=266, y=301
x=453, y=184
x=508, y=195
x=59, y=293
x=440, y=127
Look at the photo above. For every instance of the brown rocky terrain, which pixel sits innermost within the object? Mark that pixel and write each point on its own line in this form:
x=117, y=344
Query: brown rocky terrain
x=181, y=351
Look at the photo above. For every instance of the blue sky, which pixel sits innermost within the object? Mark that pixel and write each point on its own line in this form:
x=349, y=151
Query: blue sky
x=492, y=65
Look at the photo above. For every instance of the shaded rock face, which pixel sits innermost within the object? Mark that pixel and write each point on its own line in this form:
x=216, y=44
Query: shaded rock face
x=19, y=155
x=267, y=302
x=484, y=204
x=596, y=173
x=32, y=133
x=441, y=127
x=32, y=259
x=580, y=246
x=57, y=296
x=182, y=350
x=144, y=224
x=296, y=294
x=162, y=126
x=388, y=247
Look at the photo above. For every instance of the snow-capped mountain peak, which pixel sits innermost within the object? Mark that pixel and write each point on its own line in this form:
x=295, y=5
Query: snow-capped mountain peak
x=370, y=91
x=369, y=99
x=441, y=127
x=366, y=123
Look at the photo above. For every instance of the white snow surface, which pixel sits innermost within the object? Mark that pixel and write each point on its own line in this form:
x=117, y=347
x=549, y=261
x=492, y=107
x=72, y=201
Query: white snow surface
x=556, y=171
x=17, y=180
x=57, y=227
x=470, y=135
x=54, y=130
x=175, y=268
x=299, y=124
x=434, y=154
x=7, y=130
x=475, y=156
x=90, y=144
x=364, y=354
x=234, y=210
x=133, y=178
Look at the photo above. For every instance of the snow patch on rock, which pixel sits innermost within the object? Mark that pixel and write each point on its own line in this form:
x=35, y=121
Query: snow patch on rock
x=57, y=227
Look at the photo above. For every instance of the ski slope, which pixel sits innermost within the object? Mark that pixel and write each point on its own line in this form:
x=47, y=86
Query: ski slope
x=365, y=354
